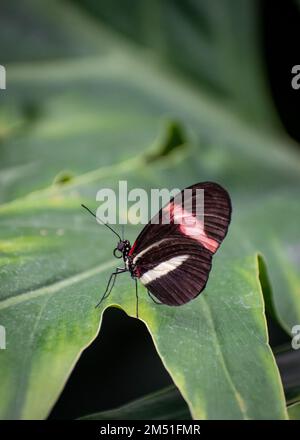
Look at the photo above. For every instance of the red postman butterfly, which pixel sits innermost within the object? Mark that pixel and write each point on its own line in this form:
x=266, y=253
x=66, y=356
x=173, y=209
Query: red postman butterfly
x=173, y=259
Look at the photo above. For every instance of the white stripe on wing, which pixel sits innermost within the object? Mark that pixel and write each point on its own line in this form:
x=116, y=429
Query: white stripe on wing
x=163, y=269
x=148, y=249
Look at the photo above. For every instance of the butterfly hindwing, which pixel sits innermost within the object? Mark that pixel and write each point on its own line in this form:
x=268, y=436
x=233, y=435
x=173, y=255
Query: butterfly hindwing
x=175, y=270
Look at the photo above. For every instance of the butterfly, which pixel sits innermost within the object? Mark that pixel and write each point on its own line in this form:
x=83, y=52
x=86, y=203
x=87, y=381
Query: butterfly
x=173, y=259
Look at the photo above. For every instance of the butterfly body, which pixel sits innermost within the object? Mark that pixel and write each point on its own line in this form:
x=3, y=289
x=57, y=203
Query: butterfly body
x=131, y=267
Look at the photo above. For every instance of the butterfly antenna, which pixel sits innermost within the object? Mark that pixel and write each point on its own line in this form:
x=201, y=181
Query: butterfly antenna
x=103, y=223
x=123, y=229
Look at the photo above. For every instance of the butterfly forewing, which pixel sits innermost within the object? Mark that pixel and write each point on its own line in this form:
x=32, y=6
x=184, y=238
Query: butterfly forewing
x=174, y=260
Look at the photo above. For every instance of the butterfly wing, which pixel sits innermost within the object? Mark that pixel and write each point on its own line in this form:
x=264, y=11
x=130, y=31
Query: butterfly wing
x=174, y=260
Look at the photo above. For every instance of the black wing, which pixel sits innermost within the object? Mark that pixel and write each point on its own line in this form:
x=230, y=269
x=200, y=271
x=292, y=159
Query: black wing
x=174, y=260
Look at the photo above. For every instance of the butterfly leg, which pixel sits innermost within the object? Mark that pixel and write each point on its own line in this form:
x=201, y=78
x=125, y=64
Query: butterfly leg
x=110, y=287
x=154, y=300
x=137, y=298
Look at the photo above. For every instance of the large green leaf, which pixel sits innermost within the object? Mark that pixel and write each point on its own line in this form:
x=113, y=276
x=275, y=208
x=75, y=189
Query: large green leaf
x=86, y=119
x=96, y=128
x=215, y=44
x=208, y=346
x=31, y=30
x=166, y=404
x=92, y=122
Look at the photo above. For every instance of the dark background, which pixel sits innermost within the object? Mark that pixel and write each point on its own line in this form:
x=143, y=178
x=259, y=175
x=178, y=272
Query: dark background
x=122, y=364
x=281, y=35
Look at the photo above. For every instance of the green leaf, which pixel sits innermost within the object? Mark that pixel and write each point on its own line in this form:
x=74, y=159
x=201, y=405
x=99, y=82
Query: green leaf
x=208, y=346
x=203, y=40
x=44, y=31
x=85, y=118
x=96, y=128
x=166, y=404
x=294, y=411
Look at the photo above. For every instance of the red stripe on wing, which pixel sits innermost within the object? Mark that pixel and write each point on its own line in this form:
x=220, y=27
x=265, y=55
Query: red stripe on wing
x=132, y=249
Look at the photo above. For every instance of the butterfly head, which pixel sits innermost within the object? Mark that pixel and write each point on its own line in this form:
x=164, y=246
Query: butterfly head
x=122, y=249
